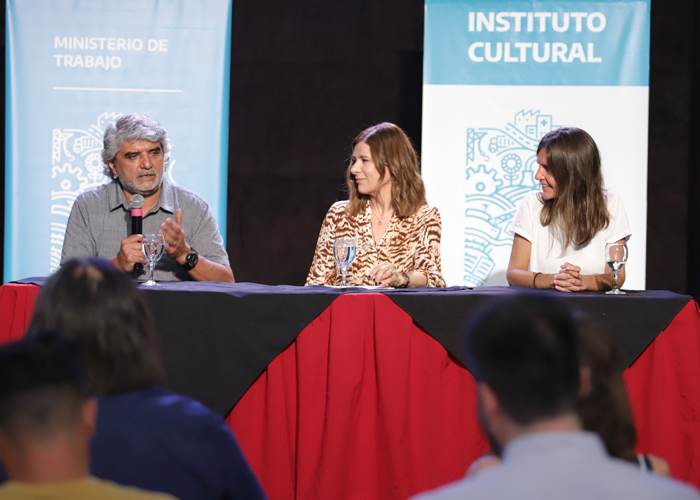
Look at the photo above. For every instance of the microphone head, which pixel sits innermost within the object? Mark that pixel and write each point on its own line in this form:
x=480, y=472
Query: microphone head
x=136, y=201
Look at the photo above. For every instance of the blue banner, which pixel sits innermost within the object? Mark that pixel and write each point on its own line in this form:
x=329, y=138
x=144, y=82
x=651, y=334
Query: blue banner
x=75, y=66
x=500, y=74
x=487, y=42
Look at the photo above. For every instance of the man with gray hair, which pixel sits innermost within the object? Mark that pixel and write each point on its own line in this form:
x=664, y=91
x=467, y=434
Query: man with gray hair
x=136, y=156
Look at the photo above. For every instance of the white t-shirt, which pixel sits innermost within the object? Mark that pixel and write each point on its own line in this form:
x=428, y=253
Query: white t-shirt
x=547, y=254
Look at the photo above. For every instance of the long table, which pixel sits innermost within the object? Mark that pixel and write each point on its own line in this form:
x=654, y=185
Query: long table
x=361, y=393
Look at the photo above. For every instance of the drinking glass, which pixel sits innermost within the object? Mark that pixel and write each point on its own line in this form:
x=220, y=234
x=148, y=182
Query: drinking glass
x=616, y=257
x=152, y=246
x=344, y=252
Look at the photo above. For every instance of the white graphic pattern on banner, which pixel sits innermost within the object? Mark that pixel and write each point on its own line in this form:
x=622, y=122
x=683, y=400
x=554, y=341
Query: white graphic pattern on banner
x=501, y=166
x=76, y=165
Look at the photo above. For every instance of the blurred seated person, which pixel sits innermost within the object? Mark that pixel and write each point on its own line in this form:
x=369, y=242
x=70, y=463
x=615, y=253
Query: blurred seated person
x=603, y=405
x=147, y=436
x=397, y=234
x=561, y=231
x=46, y=422
x=135, y=156
x=523, y=353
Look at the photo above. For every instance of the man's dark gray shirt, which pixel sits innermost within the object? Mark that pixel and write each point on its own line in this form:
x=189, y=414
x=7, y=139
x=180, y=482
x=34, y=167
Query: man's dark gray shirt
x=101, y=219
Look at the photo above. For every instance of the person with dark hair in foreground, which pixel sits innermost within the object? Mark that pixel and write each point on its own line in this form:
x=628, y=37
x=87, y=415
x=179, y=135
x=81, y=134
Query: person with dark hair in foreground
x=603, y=405
x=147, y=436
x=522, y=350
x=46, y=421
x=397, y=234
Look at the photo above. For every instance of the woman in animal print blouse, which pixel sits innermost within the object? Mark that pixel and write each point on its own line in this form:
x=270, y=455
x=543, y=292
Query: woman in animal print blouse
x=396, y=232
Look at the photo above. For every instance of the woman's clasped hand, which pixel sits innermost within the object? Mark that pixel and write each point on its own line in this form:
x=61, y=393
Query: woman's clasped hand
x=568, y=279
x=386, y=274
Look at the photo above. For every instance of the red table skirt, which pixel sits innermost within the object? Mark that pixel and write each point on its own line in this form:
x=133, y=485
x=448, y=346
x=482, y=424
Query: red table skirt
x=364, y=404
x=16, y=307
x=664, y=387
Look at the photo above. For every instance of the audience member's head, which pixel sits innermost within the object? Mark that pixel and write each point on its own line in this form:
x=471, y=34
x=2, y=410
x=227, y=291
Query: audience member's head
x=522, y=350
x=91, y=301
x=603, y=405
x=605, y=409
x=46, y=420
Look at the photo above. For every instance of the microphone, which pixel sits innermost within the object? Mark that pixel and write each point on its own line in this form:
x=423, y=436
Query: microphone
x=136, y=203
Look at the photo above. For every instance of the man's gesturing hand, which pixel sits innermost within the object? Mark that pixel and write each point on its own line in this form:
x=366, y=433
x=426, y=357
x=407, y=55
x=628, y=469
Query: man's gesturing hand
x=174, y=235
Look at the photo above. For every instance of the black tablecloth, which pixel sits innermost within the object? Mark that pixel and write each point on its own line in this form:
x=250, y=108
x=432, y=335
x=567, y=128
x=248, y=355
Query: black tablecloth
x=635, y=319
x=217, y=338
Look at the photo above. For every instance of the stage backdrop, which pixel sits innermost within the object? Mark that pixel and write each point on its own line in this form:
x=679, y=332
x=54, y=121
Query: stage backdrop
x=498, y=75
x=73, y=67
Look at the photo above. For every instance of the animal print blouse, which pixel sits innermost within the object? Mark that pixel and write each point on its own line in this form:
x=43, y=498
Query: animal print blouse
x=410, y=243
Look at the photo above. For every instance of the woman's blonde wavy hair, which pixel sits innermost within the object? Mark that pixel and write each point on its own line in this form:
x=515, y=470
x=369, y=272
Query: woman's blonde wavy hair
x=392, y=149
x=579, y=209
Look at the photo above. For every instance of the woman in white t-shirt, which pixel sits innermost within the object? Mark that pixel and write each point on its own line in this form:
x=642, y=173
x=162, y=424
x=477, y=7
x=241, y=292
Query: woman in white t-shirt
x=560, y=232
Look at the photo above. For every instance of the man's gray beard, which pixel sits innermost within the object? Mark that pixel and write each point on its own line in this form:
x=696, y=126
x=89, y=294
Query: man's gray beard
x=131, y=189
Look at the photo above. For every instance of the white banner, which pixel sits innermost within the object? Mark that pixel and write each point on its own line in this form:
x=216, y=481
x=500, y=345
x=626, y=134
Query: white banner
x=73, y=67
x=499, y=75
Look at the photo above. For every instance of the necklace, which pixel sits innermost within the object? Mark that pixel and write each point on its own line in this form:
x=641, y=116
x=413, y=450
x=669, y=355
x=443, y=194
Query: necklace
x=379, y=221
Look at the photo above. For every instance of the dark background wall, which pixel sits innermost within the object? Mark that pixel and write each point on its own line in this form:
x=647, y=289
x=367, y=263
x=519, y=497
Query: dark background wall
x=305, y=78
x=307, y=75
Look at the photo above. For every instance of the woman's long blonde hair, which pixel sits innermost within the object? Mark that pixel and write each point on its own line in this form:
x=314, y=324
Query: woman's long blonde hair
x=579, y=209
x=392, y=149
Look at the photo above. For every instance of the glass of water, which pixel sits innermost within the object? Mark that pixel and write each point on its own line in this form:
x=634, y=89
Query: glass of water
x=616, y=258
x=344, y=252
x=152, y=246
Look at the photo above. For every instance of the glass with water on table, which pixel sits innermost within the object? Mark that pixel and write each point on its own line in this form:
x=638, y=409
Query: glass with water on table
x=344, y=253
x=152, y=246
x=616, y=258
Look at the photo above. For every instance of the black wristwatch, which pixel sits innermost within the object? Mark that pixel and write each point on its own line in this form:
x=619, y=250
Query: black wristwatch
x=191, y=260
